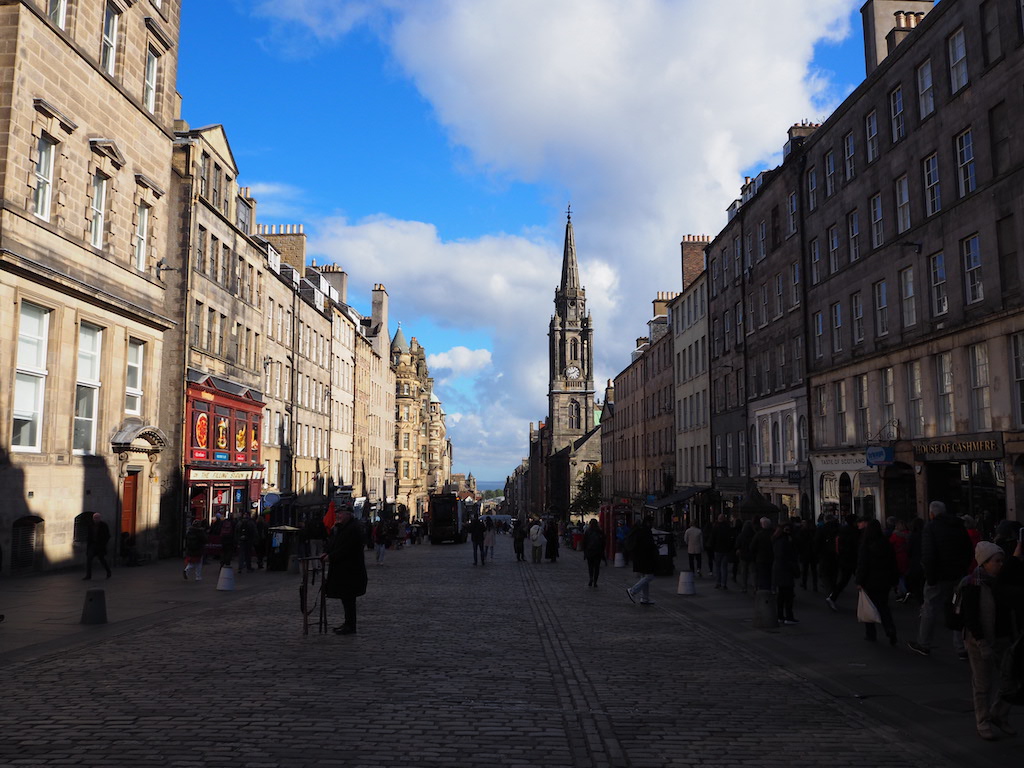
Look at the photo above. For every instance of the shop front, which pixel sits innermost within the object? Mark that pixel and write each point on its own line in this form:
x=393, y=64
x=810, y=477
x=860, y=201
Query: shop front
x=845, y=484
x=223, y=470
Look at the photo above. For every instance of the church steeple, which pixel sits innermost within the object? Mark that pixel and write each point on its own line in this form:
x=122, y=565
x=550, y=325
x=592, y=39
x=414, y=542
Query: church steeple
x=570, y=270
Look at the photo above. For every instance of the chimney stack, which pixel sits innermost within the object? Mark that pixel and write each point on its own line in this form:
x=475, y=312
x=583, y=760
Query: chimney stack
x=886, y=23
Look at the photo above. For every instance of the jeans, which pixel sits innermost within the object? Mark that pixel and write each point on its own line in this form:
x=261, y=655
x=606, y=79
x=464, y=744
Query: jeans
x=479, y=547
x=987, y=681
x=643, y=587
x=933, y=610
x=538, y=553
x=695, y=562
x=594, y=569
x=244, y=555
x=195, y=564
x=381, y=549
x=722, y=569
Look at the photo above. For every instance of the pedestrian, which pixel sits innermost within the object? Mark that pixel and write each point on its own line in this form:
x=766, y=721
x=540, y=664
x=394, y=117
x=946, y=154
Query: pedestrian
x=974, y=535
x=246, y=540
x=915, y=573
x=763, y=554
x=489, y=535
x=645, y=561
x=551, y=541
x=708, y=539
x=476, y=536
x=825, y=551
x=536, y=541
x=622, y=530
x=518, y=542
x=785, y=569
x=899, y=540
x=260, y=547
x=847, y=547
x=745, y=554
x=723, y=543
x=195, y=546
x=96, y=539
x=945, y=556
x=380, y=540
x=877, y=573
x=593, y=550
x=988, y=608
x=694, y=540
x=346, y=574
x=803, y=540
x=227, y=540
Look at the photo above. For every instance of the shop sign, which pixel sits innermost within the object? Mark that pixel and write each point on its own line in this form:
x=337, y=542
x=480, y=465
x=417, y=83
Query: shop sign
x=793, y=476
x=221, y=474
x=880, y=455
x=829, y=487
x=199, y=454
x=220, y=456
x=240, y=457
x=955, y=450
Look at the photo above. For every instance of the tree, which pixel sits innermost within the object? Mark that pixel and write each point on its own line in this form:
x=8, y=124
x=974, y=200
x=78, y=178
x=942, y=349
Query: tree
x=588, y=493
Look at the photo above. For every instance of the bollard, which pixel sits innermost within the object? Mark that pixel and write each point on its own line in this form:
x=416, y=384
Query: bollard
x=620, y=560
x=765, y=613
x=95, y=609
x=226, y=580
x=293, y=564
x=686, y=586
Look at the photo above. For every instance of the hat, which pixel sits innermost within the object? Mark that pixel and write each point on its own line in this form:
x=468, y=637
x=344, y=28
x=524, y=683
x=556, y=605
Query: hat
x=985, y=551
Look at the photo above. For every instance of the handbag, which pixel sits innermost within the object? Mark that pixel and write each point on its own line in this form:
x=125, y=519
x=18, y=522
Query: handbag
x=867, y=611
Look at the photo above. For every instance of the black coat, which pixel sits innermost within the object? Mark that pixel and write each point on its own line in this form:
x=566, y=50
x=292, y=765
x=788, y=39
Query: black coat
x=761, y=548
x=593, y=543
x=347, y=575
x=98, y=536
x=723, y=538
x=876, y=565
x=645, y=551
x=946, y=550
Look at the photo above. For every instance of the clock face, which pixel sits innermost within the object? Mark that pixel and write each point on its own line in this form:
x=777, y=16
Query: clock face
x=572, y=372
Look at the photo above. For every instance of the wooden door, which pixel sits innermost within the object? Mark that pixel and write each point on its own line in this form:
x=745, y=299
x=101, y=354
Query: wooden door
x=130, y=503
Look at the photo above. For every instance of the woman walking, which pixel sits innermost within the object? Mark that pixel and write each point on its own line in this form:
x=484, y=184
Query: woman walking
x=876, y=575
x=489, y=534
x=785, y=569
x=593, y=550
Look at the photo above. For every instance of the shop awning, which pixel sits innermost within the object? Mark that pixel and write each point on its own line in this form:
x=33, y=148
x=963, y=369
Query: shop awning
x=668, y=501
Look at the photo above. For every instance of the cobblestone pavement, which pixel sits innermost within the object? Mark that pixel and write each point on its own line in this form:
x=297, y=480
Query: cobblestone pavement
x=508, y=664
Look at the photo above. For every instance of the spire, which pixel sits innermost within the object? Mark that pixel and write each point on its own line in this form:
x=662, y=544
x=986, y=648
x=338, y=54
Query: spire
x=398, y=343
x=570, y=270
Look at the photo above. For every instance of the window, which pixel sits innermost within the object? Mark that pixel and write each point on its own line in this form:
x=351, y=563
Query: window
x=849, y=166
x=842, y=429
x=932, y=194
x=981, y=406
x=99, y=207
x=43, y=193
x=966, y=181
x=837, y=327
x=819, y=331
x=762, y=240
x=877, y=230
x=957, y=45
x=30, y=378
x=812, y=189
x=896, y=114
x=925, y=89
x=937, y=267
x=888, y=402
x=763, y=317
x=871, y=135
x=149, y=85
x=999, y=131
x=792, y=209
x=794, y=283
x=728, y=454
x=738, y=311
x=737, y=255
x=57, y=10
x=881, y=308
x=108, y=46
x=853, y=234
x=218, y=182
x=815, y=262
x=902, y=204
x=779, y=301
x=741, y=449
x=714, y=277
x=87, y=389
x=857, y=315
x=944, y=371
x=970, y=252
x=830, y=173
x=727, y=329
x=798, y=358
x=908, y=302
x=915, y=399
x=991, y=47
x=863, y=416
x=204, y=174
x=133, y=378
x=820, y=411
x=141, y=237
x=1018, y=375
x=833, y=249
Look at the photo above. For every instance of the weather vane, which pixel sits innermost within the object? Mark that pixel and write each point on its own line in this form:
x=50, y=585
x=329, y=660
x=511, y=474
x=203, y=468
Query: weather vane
x=568, y=212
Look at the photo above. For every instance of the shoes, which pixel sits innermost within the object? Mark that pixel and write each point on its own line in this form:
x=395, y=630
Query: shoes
x=831, y=603
x=790, y=621
x=646, y=602
x=918, y=648
x=630, y=595
x=962, y=655
x=998, y=722
x=199, y=578
x=986, y=732
x=590, y=583
x=344, y=629
x=184, y=574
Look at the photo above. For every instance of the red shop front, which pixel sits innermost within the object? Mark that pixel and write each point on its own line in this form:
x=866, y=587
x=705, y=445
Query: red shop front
x=223, y=467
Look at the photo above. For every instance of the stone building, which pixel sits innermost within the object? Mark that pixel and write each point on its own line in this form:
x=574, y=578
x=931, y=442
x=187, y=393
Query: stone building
x=87, y=128
x=917, y=328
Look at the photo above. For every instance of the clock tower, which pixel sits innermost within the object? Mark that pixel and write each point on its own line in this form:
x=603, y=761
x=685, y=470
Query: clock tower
x=570, y=355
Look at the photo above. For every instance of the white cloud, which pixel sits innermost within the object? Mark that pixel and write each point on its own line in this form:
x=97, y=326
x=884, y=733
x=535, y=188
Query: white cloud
x=647, y=112
x=459, y=362
x=277, y=200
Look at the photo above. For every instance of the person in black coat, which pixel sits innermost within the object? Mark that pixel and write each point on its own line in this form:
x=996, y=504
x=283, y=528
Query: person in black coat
x=785, y=569
x=346, y=576
x=803, y=540
x=593, y=550
x=97, y=538
x=645, y=561
x=877, y=574
x=763, y=553
x=847, y=547
x=551, y=537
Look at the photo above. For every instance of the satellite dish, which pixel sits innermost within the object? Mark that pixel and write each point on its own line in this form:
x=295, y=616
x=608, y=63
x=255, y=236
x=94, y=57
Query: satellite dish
x=271, y=499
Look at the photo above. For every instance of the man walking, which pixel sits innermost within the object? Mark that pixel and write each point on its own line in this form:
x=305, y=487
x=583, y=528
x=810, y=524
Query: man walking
x=96, y=541
x=723, y=542
x=945, y=557
x=346, y=576
x=476, y=535
x=645, y=561
x=536, y=541
x=847, y=546
x=694, y=540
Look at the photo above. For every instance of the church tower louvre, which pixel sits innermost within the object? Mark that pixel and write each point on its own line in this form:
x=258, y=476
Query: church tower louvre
x=570, y=355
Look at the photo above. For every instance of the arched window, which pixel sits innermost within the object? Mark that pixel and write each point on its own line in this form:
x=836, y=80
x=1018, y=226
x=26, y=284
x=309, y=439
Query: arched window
x=788, y=440
x=574, y=350
x=574, y=415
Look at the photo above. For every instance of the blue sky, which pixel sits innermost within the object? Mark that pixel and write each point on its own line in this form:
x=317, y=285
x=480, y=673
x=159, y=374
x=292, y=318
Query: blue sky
x=433, y=147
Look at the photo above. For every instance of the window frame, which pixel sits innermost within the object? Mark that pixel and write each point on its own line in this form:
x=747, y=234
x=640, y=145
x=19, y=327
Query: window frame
x=98, y=206
x=925, y=89
x=91, y=385
x=956, y=50
x=908, y=298
x=871, y=135
x=970, y=259
x=901, y=189
x=138, y=365
x=967, y=179
x=939, y=295
x=849, y=156
x=897, y=118
x=932, y=188
x=877, y=220
x=42, y=195
x=150, y=79
x=35, y=372
x=108, y=39
x=880, y=304
x=140, y=248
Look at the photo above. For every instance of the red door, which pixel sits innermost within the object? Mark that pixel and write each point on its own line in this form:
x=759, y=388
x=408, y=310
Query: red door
x=130, y=503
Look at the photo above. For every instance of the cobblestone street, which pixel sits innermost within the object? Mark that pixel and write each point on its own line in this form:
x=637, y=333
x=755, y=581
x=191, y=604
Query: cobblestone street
x=509, y=664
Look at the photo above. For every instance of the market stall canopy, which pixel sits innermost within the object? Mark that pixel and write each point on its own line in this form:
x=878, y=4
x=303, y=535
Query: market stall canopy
x=756, y=505
x=675, y=498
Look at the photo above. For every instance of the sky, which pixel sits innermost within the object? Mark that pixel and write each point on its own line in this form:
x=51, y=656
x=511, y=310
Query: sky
x=434, y=146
